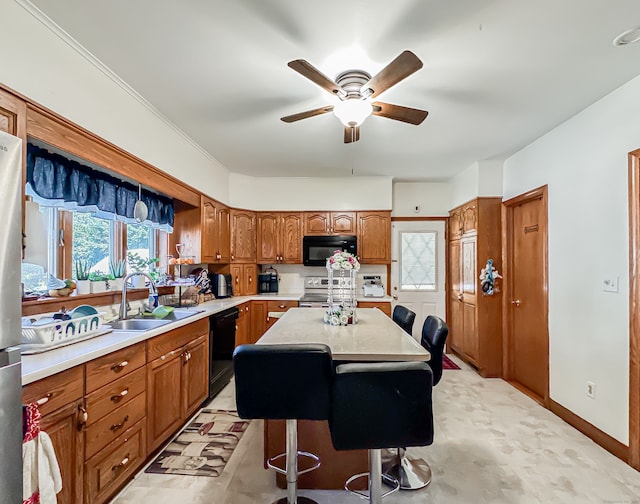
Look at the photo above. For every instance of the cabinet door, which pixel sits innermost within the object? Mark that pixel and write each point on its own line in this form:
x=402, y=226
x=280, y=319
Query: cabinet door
x=291, y=227
x=267, y=237
x=237, y=279
x=209, y=251
x=13, y=114
x=380, y=305
x=250, y=275
x=164, y=397
x=468, y=253
x=455, y=338
x=317, y=223
x=470, y=333
x=243, y=324
x=62, y=426
x=195, y=373
x=343, y=223
x=374, y=237
x=223, y=234
x=455, y=224
x=469, y=217
x=243, y=236
x=258, y=319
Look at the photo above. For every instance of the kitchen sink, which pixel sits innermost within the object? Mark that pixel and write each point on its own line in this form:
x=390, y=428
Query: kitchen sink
x=140, y=323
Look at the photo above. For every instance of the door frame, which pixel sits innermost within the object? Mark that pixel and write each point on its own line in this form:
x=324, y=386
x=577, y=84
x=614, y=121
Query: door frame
x=634, y=305
x=508, y=267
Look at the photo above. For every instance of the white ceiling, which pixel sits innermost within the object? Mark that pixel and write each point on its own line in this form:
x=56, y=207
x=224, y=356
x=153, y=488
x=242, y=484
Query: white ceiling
x=497, y=74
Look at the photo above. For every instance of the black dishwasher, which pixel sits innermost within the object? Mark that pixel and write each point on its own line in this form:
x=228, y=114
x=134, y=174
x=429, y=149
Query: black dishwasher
x=222, y=340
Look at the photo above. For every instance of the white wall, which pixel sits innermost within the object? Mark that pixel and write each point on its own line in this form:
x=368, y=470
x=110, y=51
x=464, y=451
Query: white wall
x=432, y=198
x=482, y=178
x=308, y=193
x=584, y=163
x=52, y=70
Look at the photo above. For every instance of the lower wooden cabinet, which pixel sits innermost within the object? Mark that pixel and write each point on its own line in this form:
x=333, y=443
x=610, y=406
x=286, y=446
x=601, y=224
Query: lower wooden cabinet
x=260, y=319
x=243, y=324
x=383, y=306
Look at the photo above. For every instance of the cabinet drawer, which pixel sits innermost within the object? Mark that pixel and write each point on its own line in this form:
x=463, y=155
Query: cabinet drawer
x=106, y=399
x=177, y=338
x=109, y=469
x=109, y=427
x=380, y=305
x=280, y=305
x=55, y=391
x=104, y=370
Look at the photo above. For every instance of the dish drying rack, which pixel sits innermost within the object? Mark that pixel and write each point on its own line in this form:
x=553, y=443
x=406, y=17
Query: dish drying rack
x=38, y=338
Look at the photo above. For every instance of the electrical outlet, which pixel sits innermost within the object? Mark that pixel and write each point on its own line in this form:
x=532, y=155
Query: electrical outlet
x=591, y=390
x=610, y=284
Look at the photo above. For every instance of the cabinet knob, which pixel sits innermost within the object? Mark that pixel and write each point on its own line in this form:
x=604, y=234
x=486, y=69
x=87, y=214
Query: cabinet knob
x=119, y=366
x=232, y=257
x=118, y=397
x=83, y=417
x=237, y=279
x=250, y=279
x=120, y=425
x=123, y=463
x=44, y=400
x=516, y=302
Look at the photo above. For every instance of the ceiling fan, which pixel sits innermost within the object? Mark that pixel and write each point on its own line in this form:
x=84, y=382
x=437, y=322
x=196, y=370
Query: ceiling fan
x=355, y=88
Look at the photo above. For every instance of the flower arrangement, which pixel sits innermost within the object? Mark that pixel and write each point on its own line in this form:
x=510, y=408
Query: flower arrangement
x=339, y=315
x=343, y=260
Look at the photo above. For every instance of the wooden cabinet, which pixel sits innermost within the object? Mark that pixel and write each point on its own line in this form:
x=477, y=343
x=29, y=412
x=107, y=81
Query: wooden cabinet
x=374, y=237
x=215, y=232
x=13, y=115
x=259, y=312
x=383, y=306
x=177, y=379
x=244, y=278
x=62, y=408
x=243, y=324
x=475, y=320
x=330, y=223
x=243, y=236
x=277, y=306
x=279, y=237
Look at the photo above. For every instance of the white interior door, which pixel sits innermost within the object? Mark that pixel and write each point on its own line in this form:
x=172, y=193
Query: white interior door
x=418, y=269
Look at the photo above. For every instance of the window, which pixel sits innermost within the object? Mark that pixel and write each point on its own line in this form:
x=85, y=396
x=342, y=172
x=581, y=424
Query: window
x=92, y=240
x=418, y=261
x=39, y=253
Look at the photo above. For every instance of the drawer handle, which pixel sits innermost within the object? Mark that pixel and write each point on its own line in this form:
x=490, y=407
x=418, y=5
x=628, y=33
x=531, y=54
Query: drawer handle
x=281, y=306
x=118, y=397
x=44, y=400
x=119, y=367
x=83, y=416
x=118, y=426
x=124, y=462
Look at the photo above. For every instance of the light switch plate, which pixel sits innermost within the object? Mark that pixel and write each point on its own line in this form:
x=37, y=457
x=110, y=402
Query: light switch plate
x=610, y=284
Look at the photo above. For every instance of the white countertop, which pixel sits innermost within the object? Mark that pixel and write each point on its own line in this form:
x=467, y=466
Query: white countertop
x=38, y=366
x=374, y=338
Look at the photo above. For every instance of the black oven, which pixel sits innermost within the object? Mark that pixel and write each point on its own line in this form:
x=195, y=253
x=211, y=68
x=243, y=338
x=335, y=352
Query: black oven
x=316, y=249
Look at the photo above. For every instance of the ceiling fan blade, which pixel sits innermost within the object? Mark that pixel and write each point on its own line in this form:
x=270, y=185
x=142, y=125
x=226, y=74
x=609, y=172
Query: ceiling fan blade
x=400, y=68
x=351, y=134
x=399, y=113
x=307, y=70
x=308, y=113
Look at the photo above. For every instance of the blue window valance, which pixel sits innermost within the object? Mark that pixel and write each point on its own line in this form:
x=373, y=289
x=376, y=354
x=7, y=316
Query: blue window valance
x=55, y=181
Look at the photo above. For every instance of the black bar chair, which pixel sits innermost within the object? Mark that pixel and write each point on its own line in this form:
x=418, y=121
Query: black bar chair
x=380, y=405
x=414, y=474
x=404, y=318
x=285, y=382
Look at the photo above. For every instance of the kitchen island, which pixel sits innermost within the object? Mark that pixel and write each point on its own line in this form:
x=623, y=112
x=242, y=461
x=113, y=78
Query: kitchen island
x=374, y=338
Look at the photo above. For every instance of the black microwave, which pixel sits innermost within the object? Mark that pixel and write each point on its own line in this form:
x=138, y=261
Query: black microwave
x=316, y=249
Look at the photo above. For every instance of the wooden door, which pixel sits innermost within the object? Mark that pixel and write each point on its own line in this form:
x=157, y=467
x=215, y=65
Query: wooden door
x=250, y=279
x=243, y=236
x=291, y=227
x=209, y=250
x=374, y=237
x=164, y=398
x=527, y=348
x=195, y=374
x=267, y=237
x=343, y=223
x=317, y=223
x=223, y=234
x=237, y=279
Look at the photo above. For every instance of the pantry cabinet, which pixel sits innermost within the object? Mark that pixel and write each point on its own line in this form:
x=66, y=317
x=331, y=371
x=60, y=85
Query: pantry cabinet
x=330, y=223
x=374, y=237
x=475, y=320
x=279, y=237
x=243, y=236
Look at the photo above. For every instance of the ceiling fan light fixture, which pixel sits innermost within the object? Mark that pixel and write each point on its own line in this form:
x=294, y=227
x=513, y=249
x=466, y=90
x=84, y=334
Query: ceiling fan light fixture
x=627, y=37
x=353, y=111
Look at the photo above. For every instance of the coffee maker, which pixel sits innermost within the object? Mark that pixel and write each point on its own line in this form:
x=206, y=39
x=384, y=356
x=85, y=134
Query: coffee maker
x=268, y=281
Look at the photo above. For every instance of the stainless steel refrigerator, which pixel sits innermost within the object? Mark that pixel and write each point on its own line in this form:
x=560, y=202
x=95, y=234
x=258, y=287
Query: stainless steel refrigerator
x=10, y=313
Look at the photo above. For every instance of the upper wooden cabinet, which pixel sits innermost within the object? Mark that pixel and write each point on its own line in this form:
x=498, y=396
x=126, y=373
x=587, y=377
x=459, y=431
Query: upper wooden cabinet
x=374, y=237
x=243, y=236
x=330, y=223
x=215, y=232
x=279, y=237
x=13, y=115
x=244, y=278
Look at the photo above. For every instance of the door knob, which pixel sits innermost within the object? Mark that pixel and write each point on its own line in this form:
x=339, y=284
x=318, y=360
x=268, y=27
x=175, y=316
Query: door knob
x=515, y=302
x=460, y=296
x=395, y=297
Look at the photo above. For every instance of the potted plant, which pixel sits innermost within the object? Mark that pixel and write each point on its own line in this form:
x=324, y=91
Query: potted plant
x=98, y=282
x=117, y=270
x=139, y=264
x=82, y=277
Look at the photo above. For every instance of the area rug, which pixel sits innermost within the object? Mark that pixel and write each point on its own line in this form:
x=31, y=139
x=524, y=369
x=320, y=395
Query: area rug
x=447, y=363
x=203, y=447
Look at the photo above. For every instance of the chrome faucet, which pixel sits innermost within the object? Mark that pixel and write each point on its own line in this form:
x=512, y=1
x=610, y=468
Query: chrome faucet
x=123, y=302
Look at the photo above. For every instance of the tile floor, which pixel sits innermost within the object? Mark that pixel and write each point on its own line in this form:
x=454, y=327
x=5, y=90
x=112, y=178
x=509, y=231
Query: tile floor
x=493, y=445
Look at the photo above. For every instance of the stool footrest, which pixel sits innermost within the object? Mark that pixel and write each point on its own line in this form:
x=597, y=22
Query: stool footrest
x=388, y=480
x=270, y=462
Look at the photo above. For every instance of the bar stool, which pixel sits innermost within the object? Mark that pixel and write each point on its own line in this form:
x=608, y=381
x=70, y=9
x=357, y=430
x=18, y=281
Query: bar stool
x=285, y=382
x=404, y=317
x=380, y=405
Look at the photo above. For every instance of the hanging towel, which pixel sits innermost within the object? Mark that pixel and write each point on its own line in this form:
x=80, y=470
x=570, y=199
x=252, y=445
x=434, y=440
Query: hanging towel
x=41, y=479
